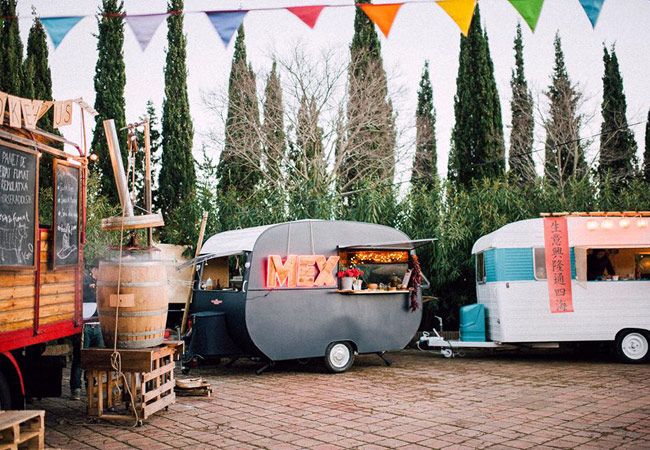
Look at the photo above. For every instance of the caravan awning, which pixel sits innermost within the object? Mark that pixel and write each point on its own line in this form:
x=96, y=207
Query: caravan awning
x=400, y=245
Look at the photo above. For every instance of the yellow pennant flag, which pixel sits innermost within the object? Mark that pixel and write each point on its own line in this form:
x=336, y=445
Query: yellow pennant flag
x=461, y=12
x=382, y=15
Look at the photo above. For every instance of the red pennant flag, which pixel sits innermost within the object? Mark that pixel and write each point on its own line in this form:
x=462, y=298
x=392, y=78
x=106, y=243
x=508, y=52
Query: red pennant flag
x=382, y=15
x=308, y=14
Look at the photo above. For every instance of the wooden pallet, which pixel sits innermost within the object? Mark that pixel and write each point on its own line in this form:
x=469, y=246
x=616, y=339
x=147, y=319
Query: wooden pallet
x=149, y=374
x=22, y=430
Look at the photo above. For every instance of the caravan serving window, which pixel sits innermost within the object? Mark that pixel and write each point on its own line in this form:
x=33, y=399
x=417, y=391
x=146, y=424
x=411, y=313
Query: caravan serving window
x=618, y=264
x=379, y=266
x=223, y=273
x=480, y=268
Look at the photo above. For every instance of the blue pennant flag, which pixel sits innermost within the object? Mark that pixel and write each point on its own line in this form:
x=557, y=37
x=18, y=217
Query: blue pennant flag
x=226, y=23
x=58, y=27
x=592, y=8
x=144, y=27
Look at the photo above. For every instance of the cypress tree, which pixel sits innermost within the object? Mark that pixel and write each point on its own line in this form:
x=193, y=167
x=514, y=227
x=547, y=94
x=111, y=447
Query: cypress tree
x=564, y=151
x=12, y=48
x=477, y=148
x=109, y=80
x=273, y=127
x=368, y=156
x=425, y=171
x=307, y=177
x=155, y=145
x=177, y=179
x=646, y=153
x=522, y=167
x=238, y=168
x=617, y=144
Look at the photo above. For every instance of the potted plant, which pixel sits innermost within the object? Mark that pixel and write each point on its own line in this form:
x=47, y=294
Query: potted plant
x=348, y=277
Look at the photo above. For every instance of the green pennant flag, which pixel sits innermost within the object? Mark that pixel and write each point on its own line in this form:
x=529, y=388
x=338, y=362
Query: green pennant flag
x=529, y=10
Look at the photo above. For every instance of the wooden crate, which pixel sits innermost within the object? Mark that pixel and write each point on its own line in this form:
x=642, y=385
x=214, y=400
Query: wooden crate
x=148, y=372
x=22, y=430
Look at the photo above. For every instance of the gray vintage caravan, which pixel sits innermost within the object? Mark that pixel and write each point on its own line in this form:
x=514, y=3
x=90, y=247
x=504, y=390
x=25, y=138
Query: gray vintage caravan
x=273, y=292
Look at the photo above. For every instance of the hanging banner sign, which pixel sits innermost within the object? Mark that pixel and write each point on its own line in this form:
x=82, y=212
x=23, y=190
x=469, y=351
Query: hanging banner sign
x=30, y=110
x=15, y=115
x=558, y=264
x=301, y=271
x=62, y=113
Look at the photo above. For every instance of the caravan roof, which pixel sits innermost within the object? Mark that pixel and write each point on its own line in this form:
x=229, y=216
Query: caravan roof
x=530, y=233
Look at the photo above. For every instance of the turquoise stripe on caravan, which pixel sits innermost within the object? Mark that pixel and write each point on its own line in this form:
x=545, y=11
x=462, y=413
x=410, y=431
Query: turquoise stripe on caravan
x=513, y=264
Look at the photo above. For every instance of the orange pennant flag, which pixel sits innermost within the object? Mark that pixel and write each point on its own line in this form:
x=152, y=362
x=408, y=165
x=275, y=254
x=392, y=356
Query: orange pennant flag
x=382, y=15
x=461, y=12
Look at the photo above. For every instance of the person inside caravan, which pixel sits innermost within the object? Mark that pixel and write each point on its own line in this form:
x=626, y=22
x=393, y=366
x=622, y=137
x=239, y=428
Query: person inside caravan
x=599, y=267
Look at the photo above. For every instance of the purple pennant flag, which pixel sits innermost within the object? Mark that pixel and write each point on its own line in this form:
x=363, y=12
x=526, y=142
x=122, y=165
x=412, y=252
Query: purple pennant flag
x=144, y=27
x=58, y=27
x=592, y=8
x=226, y=23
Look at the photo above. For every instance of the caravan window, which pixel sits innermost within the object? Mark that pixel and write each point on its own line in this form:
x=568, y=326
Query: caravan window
x=379, y=266
x=539, y=263
x=224, y=273
x=480, y=268
x=618, y=264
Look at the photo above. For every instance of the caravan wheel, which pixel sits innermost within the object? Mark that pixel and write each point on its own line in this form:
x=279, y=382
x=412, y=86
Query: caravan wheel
x=632, y=346
x=339, y=357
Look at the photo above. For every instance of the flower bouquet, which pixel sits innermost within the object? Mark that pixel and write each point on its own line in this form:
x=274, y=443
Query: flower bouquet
x=348, y=278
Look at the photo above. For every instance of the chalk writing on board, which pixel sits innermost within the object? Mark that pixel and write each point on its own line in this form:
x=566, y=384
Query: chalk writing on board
x=17, y=214
x=67, y=215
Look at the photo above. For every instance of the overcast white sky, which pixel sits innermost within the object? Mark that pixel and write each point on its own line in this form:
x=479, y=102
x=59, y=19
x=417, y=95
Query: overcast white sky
x=421, y=31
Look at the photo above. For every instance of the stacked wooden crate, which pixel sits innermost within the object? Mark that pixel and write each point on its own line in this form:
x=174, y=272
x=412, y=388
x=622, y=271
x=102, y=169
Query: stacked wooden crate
x=22, y=430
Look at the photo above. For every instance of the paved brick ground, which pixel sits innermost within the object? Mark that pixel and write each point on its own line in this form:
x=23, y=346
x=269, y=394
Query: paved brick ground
x=422, y=401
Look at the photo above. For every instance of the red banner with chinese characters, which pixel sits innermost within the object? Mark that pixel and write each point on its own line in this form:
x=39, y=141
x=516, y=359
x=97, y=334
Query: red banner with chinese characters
x=558, y=264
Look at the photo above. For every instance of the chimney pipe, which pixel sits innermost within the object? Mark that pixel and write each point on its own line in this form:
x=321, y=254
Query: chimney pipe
x=118, y=167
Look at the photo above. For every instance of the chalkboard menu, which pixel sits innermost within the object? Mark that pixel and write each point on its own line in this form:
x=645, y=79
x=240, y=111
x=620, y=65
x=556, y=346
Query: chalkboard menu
x=18, y=201
x=66, y=214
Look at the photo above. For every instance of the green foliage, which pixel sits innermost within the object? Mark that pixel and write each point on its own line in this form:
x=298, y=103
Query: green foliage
x=273, y=126
x=98, y=207
x=617, y=144
x=425, y=169
x=11, y=75
x=477, y=148
x=155, y=145
x=177, y=179
x=242, y=148
x=109, y=81
x=520, y=157
x=564, y=149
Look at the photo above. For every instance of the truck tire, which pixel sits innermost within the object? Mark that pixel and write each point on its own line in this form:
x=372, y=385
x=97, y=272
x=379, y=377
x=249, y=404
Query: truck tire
x=632, y=346
x=5, y=394
x=339, y=357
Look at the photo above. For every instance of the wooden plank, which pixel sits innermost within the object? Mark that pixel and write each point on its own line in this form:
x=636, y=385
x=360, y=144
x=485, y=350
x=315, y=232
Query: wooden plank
x=9, y=292
x=16, y=325
x=57, y=288
x=158, y=371
x=133, y=360
x=55, y=310
x=16, y=279
x=168, y=386
x=57, y=318
x=57, y=299
x=151, y=408
x=60, y=276
x=19, y=315
x=16, y=303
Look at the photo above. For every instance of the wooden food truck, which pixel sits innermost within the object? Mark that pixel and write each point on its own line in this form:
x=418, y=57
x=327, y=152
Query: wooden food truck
x=272, y=292
x=41, y=259
x=574, y=278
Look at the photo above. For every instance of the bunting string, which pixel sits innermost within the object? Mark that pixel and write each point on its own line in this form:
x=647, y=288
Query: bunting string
x=226, y=22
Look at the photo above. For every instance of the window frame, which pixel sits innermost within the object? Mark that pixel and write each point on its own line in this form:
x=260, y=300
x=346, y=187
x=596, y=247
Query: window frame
x=480, y=256
x=534, y=250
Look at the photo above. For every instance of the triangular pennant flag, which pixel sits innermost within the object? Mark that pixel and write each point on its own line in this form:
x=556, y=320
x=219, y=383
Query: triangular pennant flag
x=592, y=8
x=144, y=27
x=3, y=103
x=45, y=107
x=529, y=10
x=226, y=23
x=382, y=15
x=308, y=14
x=58, y=27
x=30, y=112
x=460, y=11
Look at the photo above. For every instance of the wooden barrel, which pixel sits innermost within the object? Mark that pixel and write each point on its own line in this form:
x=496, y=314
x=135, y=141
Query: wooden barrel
x=142, y=314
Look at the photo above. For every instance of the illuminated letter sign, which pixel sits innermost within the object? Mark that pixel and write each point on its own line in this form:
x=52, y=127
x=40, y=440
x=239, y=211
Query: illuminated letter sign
x=301, y=271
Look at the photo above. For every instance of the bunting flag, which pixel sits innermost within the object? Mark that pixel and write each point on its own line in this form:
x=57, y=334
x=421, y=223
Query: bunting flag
x=15, y=115
x=460, y=11
x=144, y=27
x=226, y=23
x=3, y=103
x=45, y=107
x=382, y=15
x=592, y=9
x=58, y=27
x=529, y=10
x=308, y=14
x=30, y=109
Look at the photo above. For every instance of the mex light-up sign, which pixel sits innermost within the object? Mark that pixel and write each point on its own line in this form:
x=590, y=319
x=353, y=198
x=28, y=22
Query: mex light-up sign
x=301, y=271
